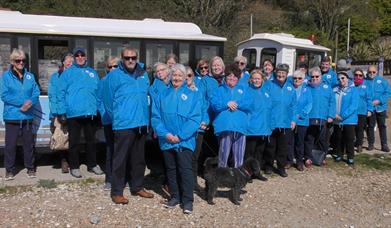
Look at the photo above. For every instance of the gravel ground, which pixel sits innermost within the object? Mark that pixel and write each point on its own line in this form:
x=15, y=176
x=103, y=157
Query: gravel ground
x=332, y=196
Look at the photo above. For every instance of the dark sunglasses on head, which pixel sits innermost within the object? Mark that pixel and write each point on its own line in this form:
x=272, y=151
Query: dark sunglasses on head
x=19, y=60
x=113, y=66
x=297, y=78
x=127, y=58
x=315, y=76
x=358, y=75
x=204, y=68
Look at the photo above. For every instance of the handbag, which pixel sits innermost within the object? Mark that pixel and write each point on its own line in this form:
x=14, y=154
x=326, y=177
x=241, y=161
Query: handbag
x=59, y=139
x=318, y=156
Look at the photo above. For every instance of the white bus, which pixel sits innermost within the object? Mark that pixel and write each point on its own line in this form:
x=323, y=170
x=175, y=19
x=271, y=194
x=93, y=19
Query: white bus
x=46, y=38
x=281, y=48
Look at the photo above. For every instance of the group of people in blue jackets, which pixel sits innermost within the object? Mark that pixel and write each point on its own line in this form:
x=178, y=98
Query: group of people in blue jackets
x=266, y=114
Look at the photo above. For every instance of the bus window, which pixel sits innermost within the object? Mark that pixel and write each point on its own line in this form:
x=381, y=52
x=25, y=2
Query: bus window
x=312, y=59
x=269, y=53
x=184, y=53
x=156, y=52
x=206, y=51
x=251, y=55
x=24, y=44
x=5, y=50
x=50, y=53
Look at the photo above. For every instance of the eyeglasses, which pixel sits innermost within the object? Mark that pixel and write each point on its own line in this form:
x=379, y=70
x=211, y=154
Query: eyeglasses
x=315, y=76
x=19, y=60
x=127, y=58
x=240, y=63
x=372, y=72
x=113, y=66
x=189, y=75
x=297, y=78
x=204, y=67
x=80, y=55
x=342, y=78
x=358, y=75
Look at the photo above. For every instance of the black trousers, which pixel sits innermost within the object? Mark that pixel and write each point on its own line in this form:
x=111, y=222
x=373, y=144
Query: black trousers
x=315, y=139
x=255, y=147
x=277, y=147
x=362, y=122
x=75, y=126
x=109, y=136
x=180, y=174
x=380, y=119
x=343, y=139
x=196, y=154
x=296, y=146
x=12, y=132
x=128, y=160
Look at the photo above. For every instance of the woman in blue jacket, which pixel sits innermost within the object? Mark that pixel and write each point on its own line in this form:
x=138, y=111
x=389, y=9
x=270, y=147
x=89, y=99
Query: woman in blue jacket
x=176, y=117
x=345, y=118
x=66, y=62
x=303, y=109
x=20, y=93
x=283, y=118
x=259, y=126
x=365, y=107
x=230, y=125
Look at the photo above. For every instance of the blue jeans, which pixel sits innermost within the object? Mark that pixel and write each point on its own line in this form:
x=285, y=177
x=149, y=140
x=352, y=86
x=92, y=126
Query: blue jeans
x=179, y=167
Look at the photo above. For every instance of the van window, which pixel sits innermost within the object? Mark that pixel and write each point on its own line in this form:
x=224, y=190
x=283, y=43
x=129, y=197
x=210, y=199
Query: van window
x=311, y=58
x=251, y=55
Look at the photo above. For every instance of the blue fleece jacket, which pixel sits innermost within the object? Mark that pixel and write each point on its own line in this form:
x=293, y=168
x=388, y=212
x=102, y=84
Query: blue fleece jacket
x=53, y=92
x=104, y=115
x=381, y=91
x=157, y=87
x=259, y=115
x=14, y=92
x=78, y=87
x=126, y=97
x=346, y=105
x=323, y=101
x=284, y=104
x=330, y=78
x=304, y=105
x=177, y=111
x=209, y=85
x=227, y=120
x=364, y=98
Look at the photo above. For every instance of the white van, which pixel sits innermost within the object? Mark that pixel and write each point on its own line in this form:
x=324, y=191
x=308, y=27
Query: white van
x=281, y=48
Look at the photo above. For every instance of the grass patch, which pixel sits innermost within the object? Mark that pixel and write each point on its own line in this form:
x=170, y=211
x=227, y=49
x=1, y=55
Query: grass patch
x=12, y=190
x=48, y=184
x=377, y=161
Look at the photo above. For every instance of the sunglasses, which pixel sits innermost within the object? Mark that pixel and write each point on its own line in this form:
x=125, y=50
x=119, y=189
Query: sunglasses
x=342, y=78
x=204, y=68
x=113, y=66
x=80, y=55
x=372, y=72
x=240, y=63
x=19, y=60
x=127, y=58
x=315, y=76
x=189, y=75
x=297, y=78
x=358, y=75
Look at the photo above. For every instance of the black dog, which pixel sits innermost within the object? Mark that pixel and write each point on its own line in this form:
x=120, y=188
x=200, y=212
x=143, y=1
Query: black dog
x=234, y=178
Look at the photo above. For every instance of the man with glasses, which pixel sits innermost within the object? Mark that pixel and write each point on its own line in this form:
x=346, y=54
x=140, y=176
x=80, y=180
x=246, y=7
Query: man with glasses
x=328, y=75
x=78, y=107
x=381, y=92
x=126, y=99
x=322, y=112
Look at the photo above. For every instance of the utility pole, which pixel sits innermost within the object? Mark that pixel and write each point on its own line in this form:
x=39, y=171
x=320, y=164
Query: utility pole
x=251, y=25
x=347, y=45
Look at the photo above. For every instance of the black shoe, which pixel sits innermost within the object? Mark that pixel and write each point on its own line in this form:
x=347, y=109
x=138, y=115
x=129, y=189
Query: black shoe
x=385, y=148
x=261, y=178
x=370, y=147
x=281, y=172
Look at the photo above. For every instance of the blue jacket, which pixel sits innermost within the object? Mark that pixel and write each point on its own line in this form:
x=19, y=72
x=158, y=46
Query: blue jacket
x=104, y=115
x=244, y=80
x=381, y=91
x=177, y=111
x=14, y=93
x=304, y=105
x=199, y=87
x=284, y=104
x=209, y=85
x=78, y=87
x=346, y=105
x=227, y=120
x=330, y=78
x=53, y=91
x=364, y=98
x=259, y=115
x=323, y=101
x=157, y=87
x=126, y=97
